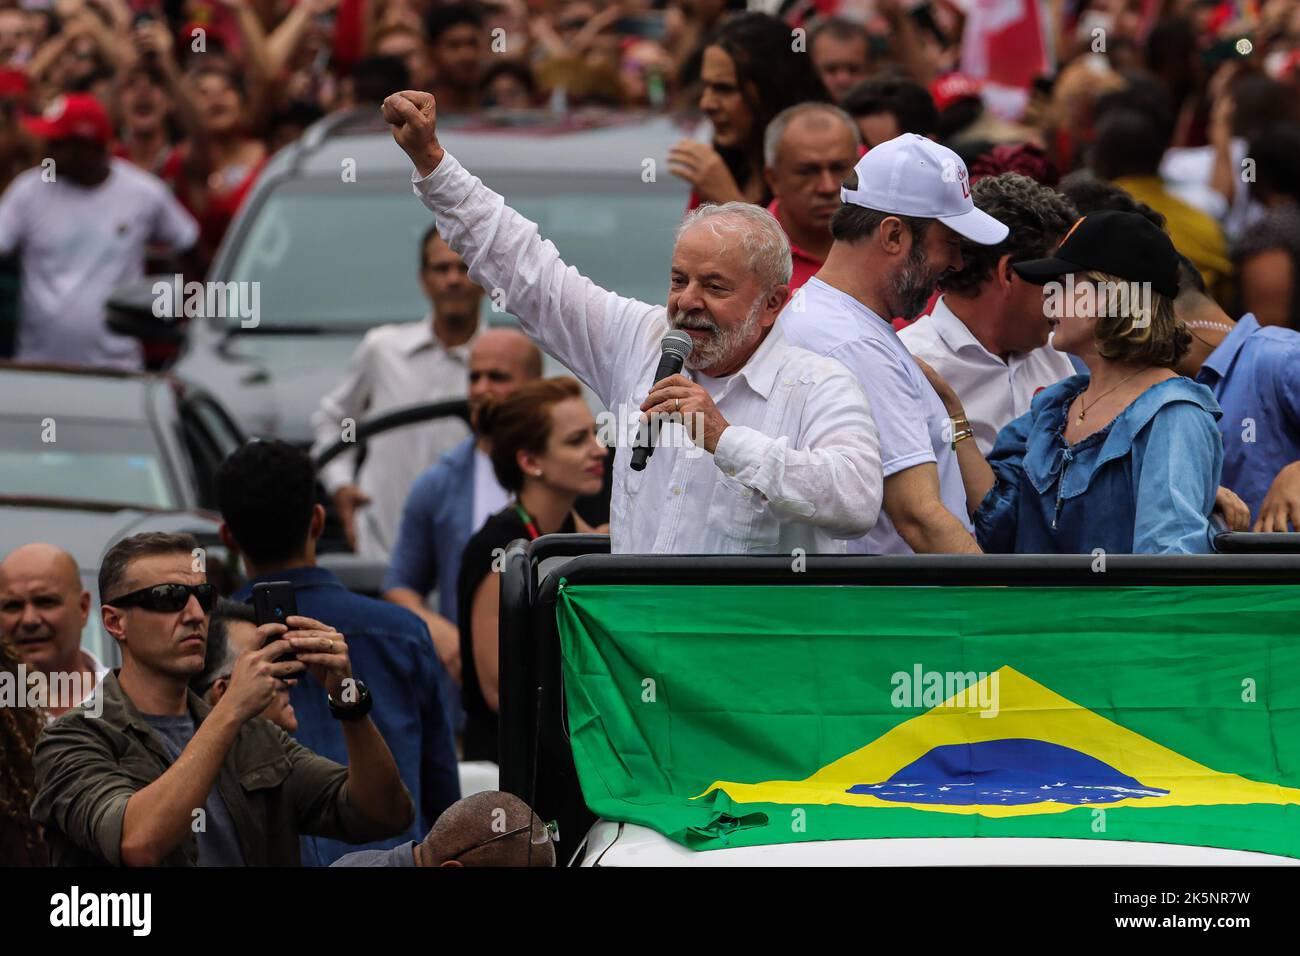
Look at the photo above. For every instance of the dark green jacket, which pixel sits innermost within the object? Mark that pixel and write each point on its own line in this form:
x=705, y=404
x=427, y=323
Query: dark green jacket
x=88, y=767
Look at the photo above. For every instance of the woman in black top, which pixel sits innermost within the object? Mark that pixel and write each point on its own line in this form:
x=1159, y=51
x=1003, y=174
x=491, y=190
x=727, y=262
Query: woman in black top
x=546, y=453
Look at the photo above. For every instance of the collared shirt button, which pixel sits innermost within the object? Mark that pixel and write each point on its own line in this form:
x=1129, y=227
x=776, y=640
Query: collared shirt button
x=676, y=490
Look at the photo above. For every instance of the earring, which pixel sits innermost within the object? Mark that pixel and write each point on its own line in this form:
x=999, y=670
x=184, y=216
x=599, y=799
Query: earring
x=537, y=473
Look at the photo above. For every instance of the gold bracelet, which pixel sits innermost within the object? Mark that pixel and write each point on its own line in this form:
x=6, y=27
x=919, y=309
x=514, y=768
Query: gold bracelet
x=966, y=432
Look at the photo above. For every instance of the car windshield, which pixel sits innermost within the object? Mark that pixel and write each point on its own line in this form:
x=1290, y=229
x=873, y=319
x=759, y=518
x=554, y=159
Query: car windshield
x=109, y=461
x=620, y=237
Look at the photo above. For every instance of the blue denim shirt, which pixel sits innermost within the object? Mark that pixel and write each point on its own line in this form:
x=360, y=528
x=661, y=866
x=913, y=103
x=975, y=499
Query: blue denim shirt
x=393, y=655
x=1255, y=376
x=435, y=528
x=1144, y=484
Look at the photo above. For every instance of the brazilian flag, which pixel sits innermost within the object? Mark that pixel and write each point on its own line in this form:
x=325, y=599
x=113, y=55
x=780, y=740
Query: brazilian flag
x=745, y=715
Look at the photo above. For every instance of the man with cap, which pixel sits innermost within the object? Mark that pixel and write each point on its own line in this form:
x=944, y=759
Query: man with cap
x=764, y=447
x=83, y=222
x=1125, y=459
x=906, y=207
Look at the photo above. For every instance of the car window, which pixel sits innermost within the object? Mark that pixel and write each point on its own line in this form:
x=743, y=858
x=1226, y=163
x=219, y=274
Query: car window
x=108, y=461
x=618, y=235
x=209, y=438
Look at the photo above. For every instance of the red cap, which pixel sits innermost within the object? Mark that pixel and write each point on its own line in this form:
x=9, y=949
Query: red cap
x=951, y=87
x=76, y=114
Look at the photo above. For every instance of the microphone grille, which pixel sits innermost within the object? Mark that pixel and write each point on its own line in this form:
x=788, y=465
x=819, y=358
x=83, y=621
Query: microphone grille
x=677, y=342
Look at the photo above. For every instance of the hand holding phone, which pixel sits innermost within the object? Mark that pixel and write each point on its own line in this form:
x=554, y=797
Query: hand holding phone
x=273, y=603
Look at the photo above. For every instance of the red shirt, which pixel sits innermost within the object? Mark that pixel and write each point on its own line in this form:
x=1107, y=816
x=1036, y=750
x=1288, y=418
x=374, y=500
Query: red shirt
x=805, y=264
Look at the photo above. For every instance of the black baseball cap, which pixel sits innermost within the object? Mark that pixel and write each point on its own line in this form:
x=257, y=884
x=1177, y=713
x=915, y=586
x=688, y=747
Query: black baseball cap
x=1122, y=244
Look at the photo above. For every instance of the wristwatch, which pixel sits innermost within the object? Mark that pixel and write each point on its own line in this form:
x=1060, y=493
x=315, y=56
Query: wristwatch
x=356, y=709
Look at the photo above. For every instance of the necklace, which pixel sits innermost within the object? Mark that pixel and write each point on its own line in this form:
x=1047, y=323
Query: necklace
x=1084, y=406
x=1206, y=324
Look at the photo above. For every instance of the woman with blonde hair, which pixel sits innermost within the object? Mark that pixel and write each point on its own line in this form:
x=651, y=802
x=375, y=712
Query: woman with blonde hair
x=1125, y=459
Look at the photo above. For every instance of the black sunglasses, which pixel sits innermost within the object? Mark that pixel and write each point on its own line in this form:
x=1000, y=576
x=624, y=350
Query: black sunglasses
x=167, y=598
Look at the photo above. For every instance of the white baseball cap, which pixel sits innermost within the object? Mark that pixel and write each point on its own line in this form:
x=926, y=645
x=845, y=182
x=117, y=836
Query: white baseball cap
x=911, y=175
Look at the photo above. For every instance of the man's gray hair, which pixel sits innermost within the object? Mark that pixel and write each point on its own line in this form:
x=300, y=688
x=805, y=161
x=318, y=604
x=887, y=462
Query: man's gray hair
x=761, y=236
x=776, y=129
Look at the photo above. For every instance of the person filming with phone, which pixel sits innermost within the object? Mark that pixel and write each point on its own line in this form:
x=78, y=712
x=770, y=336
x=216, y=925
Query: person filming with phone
x=161, y=778
x=266, y=494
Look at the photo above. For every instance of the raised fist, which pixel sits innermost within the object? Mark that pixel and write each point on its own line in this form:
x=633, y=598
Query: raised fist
x=414, y=118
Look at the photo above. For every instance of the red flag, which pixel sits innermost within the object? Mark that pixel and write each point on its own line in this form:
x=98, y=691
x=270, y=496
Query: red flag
x=1003, y=45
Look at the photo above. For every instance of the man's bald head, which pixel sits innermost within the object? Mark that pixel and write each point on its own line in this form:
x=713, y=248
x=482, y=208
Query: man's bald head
x=43, y=606
x=500, y=361
x=491, y=828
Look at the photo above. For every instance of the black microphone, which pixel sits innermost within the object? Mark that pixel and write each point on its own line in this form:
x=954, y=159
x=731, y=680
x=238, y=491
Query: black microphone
x=676, y=346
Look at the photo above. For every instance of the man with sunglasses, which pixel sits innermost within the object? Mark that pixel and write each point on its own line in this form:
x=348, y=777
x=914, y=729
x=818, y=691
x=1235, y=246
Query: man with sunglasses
x=403, y=363
x=162, y=778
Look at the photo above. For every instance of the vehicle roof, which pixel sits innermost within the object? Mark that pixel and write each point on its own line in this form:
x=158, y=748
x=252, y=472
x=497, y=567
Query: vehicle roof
x=85, y=530
x=529, y=141
x=80, y=394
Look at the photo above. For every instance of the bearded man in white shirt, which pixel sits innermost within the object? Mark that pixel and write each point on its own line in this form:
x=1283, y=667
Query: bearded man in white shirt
x=792, y=457
x=987, y=334
x=906, y=209
x=404, y=363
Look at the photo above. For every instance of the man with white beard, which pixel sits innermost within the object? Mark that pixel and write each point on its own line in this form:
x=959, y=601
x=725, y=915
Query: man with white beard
x=907, y=205
x=793, y=460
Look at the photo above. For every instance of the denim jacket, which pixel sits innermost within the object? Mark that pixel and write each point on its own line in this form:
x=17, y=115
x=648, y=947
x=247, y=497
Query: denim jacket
x=1144, y=484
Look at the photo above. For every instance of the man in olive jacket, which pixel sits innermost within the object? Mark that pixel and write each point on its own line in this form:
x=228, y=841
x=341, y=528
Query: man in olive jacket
x=162, y=778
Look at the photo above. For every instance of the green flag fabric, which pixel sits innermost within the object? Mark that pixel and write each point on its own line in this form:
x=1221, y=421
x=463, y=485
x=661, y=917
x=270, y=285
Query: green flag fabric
x=748, y=715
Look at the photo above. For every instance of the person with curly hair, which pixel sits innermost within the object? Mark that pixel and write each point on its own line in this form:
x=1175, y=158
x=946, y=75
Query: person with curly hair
x=987, y=334
x=21, y=842
x=1125, y=459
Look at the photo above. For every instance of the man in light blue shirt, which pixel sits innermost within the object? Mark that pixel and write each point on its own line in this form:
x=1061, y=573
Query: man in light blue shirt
x=907, y=206
x=1254, y=372
x=452, y=498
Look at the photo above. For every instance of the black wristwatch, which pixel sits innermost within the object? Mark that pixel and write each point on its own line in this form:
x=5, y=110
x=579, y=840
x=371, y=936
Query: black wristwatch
x=357, y=708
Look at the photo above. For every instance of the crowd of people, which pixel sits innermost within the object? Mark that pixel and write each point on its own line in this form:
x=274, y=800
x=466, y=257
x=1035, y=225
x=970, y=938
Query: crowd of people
x=933, y=308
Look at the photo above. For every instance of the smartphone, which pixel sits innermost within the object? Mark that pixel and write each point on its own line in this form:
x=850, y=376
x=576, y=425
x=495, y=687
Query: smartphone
x=273, y=603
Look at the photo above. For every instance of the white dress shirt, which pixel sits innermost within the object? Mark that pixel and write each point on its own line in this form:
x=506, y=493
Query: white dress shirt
x=914, y=427
x=395, y=365
x=993, y=392
x=799, y=466
x=489, y=496
x=91, y=663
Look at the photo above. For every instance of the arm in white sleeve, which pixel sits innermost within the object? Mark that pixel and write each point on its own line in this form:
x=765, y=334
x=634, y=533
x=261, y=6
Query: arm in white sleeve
x=348, y=399
x=830, y=476
x=593, y=331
